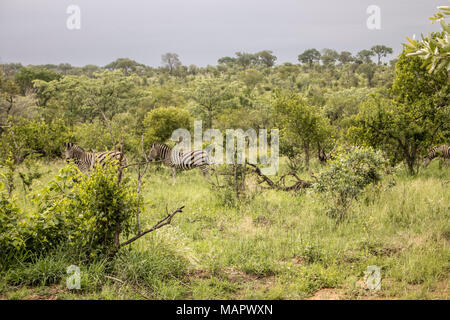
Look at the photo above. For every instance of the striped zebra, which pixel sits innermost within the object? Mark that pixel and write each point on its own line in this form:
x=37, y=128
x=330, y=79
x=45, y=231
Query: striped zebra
x=438, y=151
x=180, y=160
x=86, y=161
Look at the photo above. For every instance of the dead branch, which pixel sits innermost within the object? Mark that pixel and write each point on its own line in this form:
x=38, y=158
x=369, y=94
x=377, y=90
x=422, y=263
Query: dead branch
x=281, y=184
x=167, y=220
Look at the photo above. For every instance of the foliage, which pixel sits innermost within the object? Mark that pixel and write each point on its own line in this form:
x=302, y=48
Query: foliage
x=89, y=216
x=346, y=177
x=309, y=57
x=8, y=167
x=11, y=238
x=161, y=122
x=25, y=77
x=91, y=224
x=301, y=124
x=23, y=137
x=30, y=173
x=435, y=48
x=414, y=119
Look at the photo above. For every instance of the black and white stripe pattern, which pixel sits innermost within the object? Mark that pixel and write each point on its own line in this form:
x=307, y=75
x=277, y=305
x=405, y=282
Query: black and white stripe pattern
x=180, y=160
x=442, y=151
x=86, y=161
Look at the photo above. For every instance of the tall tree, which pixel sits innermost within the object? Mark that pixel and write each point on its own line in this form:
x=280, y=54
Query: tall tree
x=302, y=124
x=309, y=56
x=211, y=96
x=245, y=59
x=126, y=65
x=266, y=58
x=381, y=52
x=365, y=55
x=329, y=57
x=417, y=116
x=345, y=57
x=171, y=61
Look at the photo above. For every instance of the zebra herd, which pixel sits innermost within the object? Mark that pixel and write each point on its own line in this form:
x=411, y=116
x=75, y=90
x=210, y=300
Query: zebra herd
x=176, y=160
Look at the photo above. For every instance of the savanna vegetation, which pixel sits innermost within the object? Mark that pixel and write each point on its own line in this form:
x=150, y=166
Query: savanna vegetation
x=351, y=191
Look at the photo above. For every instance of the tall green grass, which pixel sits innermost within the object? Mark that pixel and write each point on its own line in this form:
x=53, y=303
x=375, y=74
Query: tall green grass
x=274, y=245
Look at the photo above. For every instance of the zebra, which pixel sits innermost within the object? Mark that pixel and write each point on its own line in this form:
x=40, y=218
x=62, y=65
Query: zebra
x=442, y=151
x=86, y=161
x=180, y=160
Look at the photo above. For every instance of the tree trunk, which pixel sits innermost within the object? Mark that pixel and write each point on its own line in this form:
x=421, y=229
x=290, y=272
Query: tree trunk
x=306, y=148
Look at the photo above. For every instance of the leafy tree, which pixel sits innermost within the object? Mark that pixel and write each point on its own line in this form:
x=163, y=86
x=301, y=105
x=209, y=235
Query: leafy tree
x=171, y=61
x=416, y=117
x=251, y=77
x=128, y=66
x=340, y=106
x=381, y=51
x=329, y=57
x=9, y=90
x=24, y=137
x=302, y=124
x=161, y=122
x=368, y=70
x=83, y=99
x=365, y=56
x=266, y=58
x=210, y=96
x=24, y=78
x=309, y=57
x=227, y=60
x=65, y=68
x=245, y=60
x=345, y=57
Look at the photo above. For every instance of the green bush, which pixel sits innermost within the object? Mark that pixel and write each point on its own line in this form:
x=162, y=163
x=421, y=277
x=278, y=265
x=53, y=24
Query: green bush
x=24, y=137
x=346, y=177
x=91, y=215
x=11, y=238
x=161, y=122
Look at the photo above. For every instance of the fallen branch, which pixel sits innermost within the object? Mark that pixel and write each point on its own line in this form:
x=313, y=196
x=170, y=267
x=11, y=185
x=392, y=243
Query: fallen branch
x=167, y=220
x=281, y=184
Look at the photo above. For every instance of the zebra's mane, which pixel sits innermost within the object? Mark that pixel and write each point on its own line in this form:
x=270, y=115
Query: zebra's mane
x=159, y=144
x=71, y=145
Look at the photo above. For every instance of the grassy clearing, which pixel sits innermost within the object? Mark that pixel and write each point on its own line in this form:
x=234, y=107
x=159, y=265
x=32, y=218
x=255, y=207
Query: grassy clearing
x=275, y=245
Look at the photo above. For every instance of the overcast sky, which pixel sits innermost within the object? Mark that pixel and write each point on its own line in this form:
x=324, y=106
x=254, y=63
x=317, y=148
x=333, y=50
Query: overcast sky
x=200, y=31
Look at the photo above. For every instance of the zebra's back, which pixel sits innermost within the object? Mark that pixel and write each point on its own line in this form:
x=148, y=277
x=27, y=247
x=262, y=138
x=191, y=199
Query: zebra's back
x=190, y=160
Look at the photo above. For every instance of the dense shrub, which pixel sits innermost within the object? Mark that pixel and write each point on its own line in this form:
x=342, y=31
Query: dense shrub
x=347, y=176
x=89, y=216
x=24, y=137
x=161, y=122
x=11, y=238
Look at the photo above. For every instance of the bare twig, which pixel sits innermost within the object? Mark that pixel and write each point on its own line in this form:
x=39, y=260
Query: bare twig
x=167, y=220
